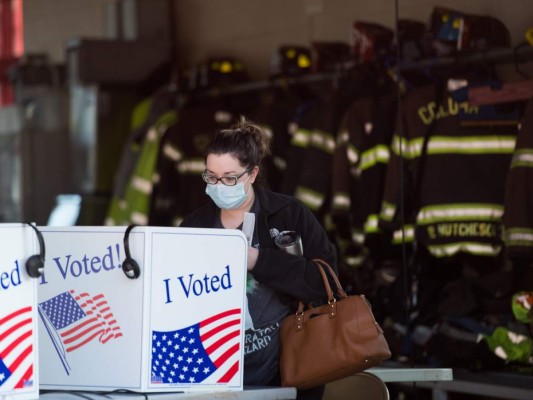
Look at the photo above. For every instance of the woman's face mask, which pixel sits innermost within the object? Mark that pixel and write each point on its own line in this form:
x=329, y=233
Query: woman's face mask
x=227, y=197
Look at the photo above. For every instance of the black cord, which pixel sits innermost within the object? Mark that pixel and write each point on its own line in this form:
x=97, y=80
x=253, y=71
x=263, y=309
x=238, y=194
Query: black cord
x=89, y=395
x=144, y=395
x=401, y=136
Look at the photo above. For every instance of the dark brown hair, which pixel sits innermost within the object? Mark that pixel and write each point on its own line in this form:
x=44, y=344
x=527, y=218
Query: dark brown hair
x=245, y=141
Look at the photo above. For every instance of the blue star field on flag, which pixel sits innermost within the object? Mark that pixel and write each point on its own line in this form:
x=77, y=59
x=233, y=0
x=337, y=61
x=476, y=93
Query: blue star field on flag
x=192, y=354
x=179, y=357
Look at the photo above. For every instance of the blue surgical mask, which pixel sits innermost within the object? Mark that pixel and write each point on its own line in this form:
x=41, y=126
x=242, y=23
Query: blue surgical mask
x=227, y=197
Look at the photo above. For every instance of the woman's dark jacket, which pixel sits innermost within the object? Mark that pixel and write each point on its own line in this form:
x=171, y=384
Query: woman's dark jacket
x=295, y=276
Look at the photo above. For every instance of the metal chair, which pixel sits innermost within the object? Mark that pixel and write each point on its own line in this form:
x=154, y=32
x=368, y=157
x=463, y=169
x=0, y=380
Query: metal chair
x=361, y=386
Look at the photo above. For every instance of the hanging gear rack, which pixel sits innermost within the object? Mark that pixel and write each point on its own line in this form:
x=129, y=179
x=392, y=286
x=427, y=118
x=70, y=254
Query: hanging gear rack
x=516, y=55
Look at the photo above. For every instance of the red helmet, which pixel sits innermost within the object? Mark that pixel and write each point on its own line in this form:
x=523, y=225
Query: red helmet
x=371, y=41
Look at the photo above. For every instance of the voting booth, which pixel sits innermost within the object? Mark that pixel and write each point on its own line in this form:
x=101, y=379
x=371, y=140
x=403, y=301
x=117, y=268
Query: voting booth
x=18, y=314
x=178, y=327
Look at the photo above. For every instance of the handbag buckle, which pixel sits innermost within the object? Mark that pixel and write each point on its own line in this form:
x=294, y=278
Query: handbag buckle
x=332, y=307
x=299, y=321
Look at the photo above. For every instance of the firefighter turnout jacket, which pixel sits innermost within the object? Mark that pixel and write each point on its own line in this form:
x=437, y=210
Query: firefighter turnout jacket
x=454, y=175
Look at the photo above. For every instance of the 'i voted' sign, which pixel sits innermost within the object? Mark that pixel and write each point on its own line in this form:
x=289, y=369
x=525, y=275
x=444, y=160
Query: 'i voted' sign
x=18, y=315
x=179, y=326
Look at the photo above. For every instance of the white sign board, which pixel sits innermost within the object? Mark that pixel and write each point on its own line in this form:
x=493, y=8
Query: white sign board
x=18, y=314
x=178, y=327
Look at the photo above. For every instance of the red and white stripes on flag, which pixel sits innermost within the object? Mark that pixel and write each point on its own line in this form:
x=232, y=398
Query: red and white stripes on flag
x=80, y=318
x=220, y=337
x=16, y=349
x=100, y=323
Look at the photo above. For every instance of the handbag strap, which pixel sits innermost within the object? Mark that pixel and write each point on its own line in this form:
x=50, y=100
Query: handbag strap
x=340, y=291
x=331, y=298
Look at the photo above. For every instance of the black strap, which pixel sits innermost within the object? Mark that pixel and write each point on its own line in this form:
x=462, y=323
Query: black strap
x=417, y=255
x=419, y=177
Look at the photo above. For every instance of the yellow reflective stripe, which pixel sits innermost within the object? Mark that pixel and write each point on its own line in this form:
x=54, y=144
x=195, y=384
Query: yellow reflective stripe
x=354, y=261
x=148, y=157
x=142, y=185
x=388, y=211
x=139, y=218
x=517, y=338
x=402, y=147
x=377, y=154
x=522, y=158
x=309, y=197
x=267, y=129
x=191, y=166
x=352, y=154
x=471, y=145
x=301, y=137
x=152, y=135
x=172, y=152
x=396, y=143
x=371, y=224
x=323, y=141
x=446, y=250
x=342, y=138
x=357, y=236
x=459, y=212
x=223, y=117
x=408, y=233
x=519, y=237
x=341, y=201
x=454, y=145
x=280, y=163
x=161, y=128
x=500, y=352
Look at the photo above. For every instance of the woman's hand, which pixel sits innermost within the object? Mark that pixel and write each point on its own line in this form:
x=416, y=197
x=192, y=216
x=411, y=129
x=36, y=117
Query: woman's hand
x=253, y=253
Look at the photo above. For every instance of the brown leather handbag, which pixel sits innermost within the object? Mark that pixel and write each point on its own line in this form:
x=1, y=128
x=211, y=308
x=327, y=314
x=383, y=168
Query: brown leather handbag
x=332, y=341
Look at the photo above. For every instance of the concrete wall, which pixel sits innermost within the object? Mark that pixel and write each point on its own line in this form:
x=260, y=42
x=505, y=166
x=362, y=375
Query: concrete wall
x=49, y=24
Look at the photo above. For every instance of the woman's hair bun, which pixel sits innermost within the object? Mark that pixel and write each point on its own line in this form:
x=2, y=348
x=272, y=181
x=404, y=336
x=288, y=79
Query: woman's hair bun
x=259, y=136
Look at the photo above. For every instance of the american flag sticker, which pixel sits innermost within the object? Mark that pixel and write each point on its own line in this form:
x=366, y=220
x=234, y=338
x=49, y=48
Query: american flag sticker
x=16, y=349
x=206, y=352
x=74, y=320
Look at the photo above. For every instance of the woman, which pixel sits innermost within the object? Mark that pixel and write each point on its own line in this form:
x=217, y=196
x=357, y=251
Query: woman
x=276, y=280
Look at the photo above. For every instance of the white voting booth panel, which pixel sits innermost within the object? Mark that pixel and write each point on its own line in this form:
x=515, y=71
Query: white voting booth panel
x=178, y=327
x=18, y=314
